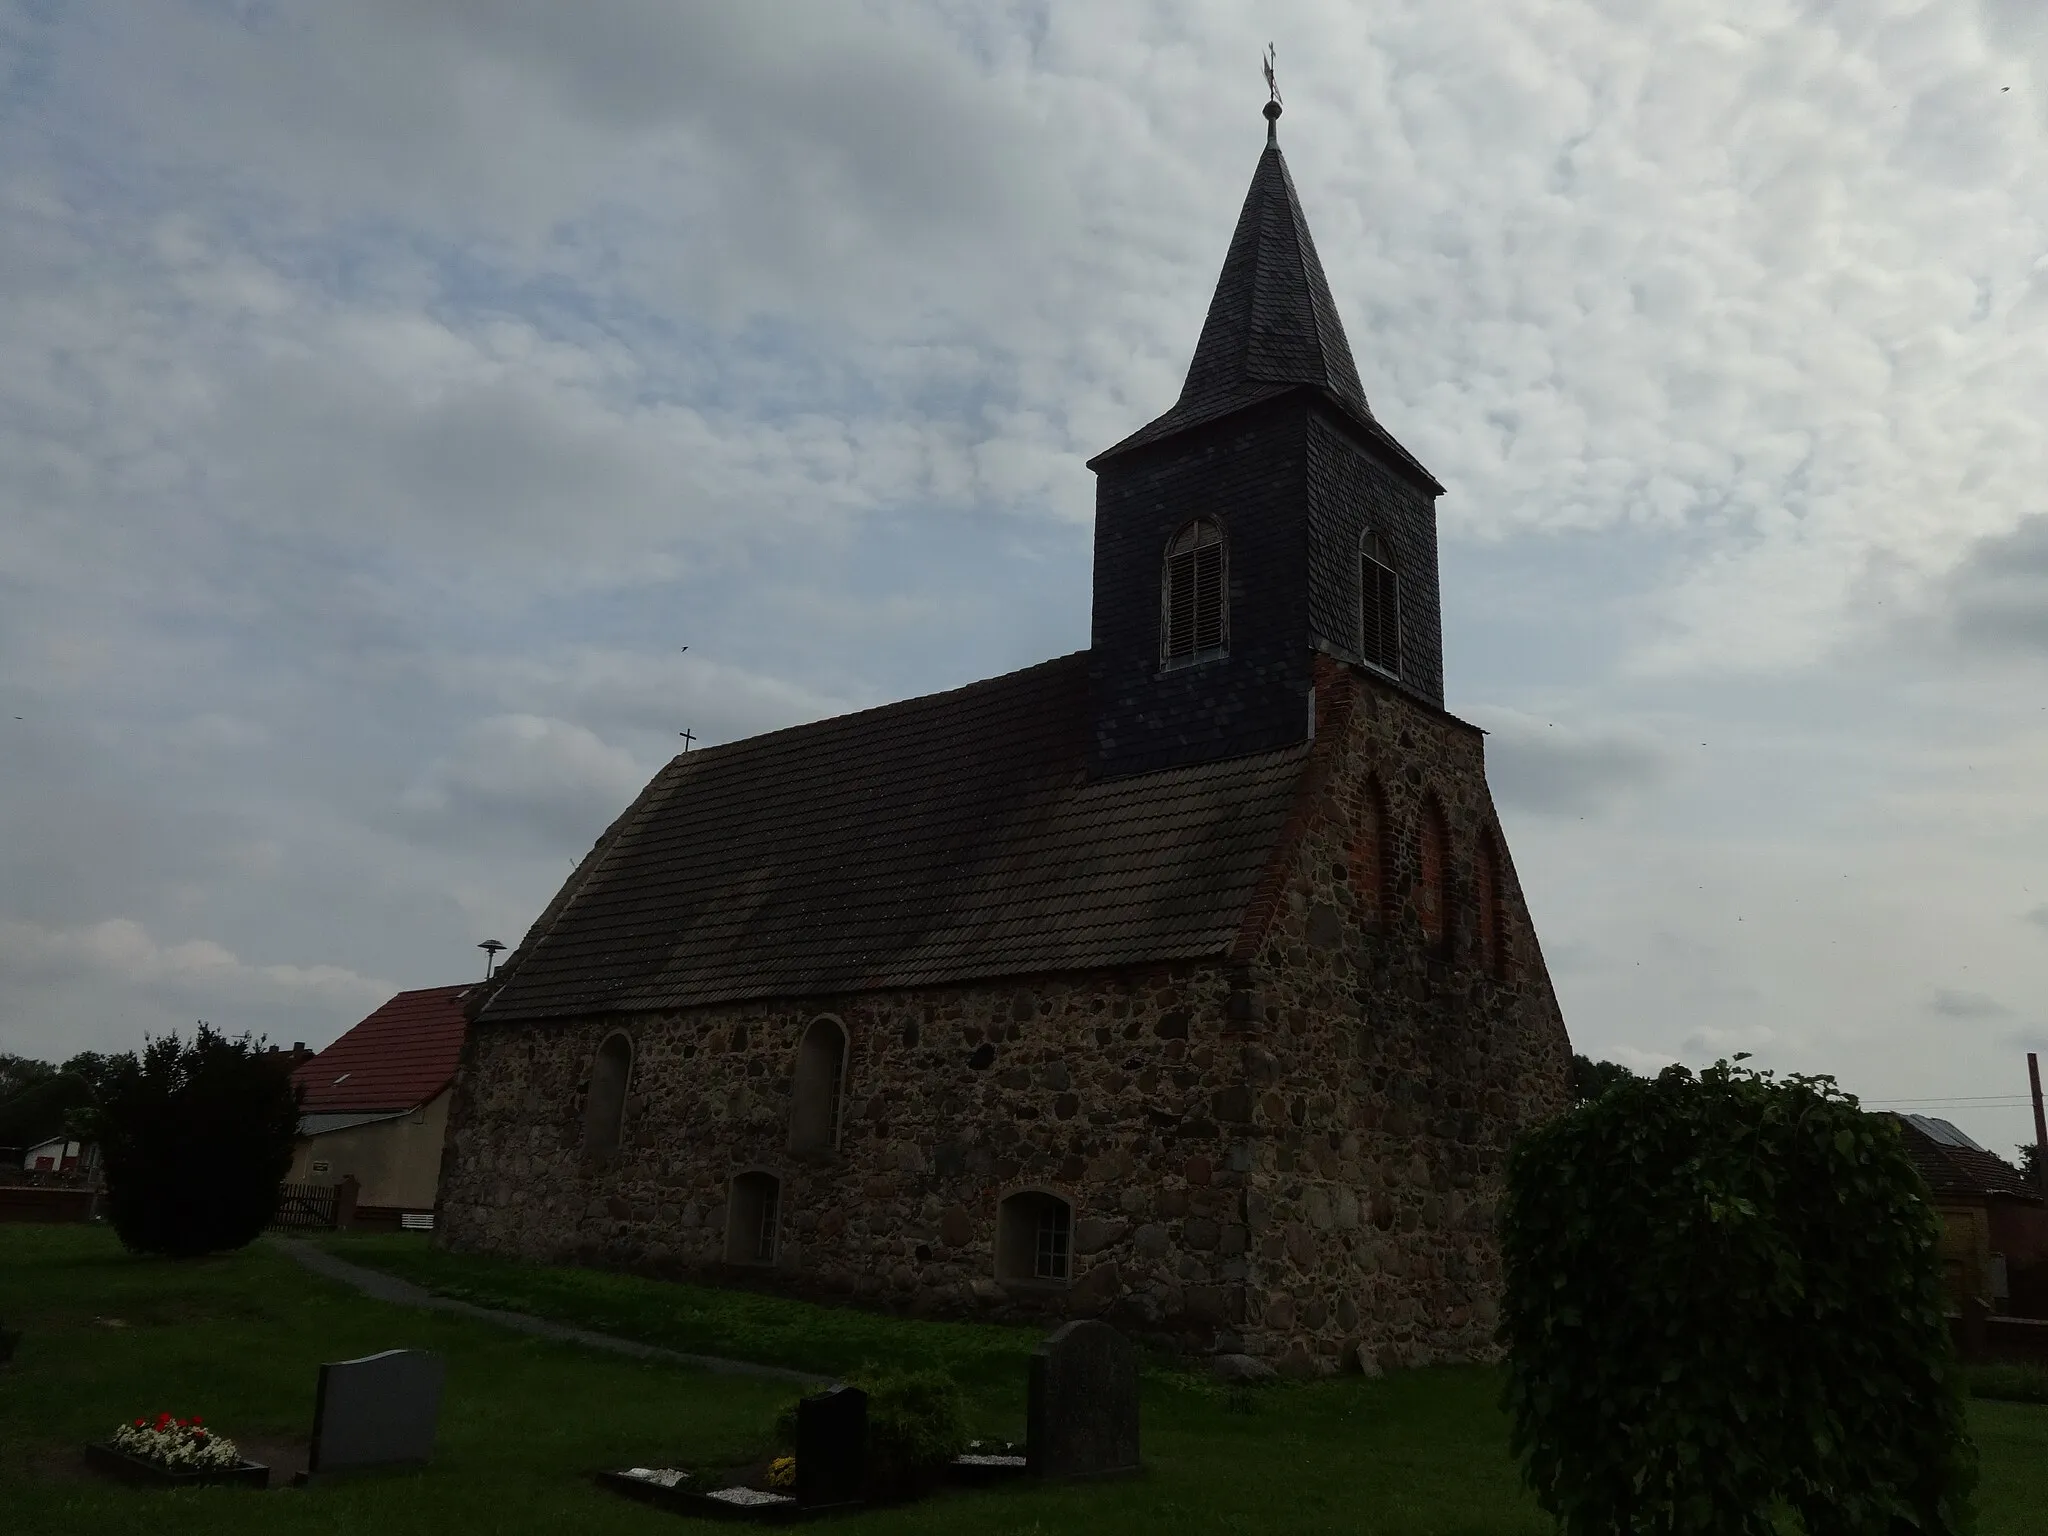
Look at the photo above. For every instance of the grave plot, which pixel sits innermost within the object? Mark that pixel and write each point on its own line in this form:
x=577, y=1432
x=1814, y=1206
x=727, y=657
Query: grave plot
x=164, y=1451
x=1082, y=1411
x=828, y=1474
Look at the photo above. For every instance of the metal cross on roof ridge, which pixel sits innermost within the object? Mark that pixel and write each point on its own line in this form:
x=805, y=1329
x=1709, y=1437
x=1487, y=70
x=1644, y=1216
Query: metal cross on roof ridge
x=1272, y=84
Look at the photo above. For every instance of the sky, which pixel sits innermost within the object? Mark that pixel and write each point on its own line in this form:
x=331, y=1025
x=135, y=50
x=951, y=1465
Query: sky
x=414, y=413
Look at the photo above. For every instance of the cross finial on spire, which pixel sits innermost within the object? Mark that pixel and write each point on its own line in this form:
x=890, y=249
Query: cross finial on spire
x=1272, y=99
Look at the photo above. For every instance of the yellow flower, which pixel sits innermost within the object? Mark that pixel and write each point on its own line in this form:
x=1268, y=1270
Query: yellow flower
x=782, y=1472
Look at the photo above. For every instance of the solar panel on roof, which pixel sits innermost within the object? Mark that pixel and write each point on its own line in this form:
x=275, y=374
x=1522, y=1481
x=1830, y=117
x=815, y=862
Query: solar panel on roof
x=1943, y=1132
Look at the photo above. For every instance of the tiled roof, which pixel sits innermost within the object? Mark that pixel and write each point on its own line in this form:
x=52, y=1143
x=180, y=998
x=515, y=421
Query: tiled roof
x=946, y=838
x=396, y=1059
x=1272, y=325
x=1952, y=1164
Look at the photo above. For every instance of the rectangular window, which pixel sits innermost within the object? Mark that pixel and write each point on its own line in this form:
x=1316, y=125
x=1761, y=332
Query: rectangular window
x=1054, y=1240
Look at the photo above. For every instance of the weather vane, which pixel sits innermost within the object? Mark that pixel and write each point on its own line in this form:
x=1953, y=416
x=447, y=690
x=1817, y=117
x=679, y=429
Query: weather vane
x=1272, y=99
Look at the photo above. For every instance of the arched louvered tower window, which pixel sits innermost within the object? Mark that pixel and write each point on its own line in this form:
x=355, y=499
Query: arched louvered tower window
x=1379, y=605
x=1193, y=614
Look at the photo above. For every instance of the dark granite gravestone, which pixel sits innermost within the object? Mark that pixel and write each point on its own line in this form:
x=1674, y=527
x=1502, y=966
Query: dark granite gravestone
x=1083, y=1412
x=378, y=1411
x=831, y=1446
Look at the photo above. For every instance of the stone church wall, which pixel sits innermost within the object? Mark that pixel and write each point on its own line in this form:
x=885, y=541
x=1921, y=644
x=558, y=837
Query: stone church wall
x=1290, y=1154
x=1394, y=1072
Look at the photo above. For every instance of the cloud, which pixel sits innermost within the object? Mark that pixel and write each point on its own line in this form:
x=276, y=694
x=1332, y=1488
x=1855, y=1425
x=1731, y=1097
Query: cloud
x=1955, y=1004
x=388, y=392
x=1539, y=765
x=124, y=951
x=2038, y=916
x=1997, y=597
x=546, y=779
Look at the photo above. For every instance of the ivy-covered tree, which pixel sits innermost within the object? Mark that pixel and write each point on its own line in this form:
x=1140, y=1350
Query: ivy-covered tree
x=195, y=1140
x=1590, y=1078
x=1723, y=1291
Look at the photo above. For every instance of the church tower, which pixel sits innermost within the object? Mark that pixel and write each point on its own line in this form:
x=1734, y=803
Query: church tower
x=1265, y=517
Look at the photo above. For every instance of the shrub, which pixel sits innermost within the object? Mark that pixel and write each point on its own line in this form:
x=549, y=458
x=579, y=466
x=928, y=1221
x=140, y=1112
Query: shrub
x=195, y=1139
x=1724, y=1291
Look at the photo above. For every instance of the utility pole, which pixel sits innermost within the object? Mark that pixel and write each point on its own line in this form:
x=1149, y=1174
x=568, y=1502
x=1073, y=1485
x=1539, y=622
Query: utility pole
x=2040, y=1124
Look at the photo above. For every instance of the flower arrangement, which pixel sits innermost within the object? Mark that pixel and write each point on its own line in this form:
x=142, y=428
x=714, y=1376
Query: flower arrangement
x=180, y=1445
x=782, y=1472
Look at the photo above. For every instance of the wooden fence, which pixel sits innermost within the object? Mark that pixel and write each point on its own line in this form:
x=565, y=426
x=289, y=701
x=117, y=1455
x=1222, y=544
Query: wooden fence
x=315, y=1207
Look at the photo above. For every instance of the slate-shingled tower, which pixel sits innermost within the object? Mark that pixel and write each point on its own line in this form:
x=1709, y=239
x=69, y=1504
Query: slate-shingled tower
x=1271, y=438
x=1185, y=980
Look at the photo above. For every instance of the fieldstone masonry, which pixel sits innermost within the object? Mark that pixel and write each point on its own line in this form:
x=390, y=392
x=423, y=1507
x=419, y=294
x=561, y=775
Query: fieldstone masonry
x=1290, y=1151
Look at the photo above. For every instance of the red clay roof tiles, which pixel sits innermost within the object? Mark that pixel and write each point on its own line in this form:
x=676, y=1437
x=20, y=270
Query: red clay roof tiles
x=396, y=1059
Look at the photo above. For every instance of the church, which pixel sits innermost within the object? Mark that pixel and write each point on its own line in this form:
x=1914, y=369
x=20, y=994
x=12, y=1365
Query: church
x=1184, y=981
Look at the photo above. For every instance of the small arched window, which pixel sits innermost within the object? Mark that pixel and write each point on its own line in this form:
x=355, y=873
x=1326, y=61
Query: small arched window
x=753, y=1218
x=1369, y=850
x=1379, y=604
x=1493, y=949
x=820, y=1085
x=1035, y=1238
x=1193, y=618
x=1433, y=862
x=604, y=1106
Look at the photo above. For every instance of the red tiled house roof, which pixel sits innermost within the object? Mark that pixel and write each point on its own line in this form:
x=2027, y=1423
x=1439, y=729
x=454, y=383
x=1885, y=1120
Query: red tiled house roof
x=1955, y=1166
x=396, y=1059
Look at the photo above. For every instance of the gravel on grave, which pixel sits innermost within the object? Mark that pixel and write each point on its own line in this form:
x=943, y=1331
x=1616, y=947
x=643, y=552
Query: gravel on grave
x=661, y=1477
x=749, y=1497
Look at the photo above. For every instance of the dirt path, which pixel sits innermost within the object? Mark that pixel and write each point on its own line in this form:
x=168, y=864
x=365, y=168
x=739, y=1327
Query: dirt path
x=379, y=1286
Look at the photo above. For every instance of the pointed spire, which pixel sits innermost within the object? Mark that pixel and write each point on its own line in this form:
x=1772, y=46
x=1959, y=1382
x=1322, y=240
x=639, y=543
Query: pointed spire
x=1272, y=324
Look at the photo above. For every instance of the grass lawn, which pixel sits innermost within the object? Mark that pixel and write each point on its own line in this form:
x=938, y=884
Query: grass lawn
x=238, y=1339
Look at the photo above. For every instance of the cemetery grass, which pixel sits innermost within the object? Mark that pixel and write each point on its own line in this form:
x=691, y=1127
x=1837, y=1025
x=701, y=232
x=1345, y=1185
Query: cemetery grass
x=525, y=1421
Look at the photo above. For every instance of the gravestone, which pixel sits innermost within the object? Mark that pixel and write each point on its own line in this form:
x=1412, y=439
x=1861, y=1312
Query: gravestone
x=378, y=1411
x=831, y=1446
x=1083, y=1411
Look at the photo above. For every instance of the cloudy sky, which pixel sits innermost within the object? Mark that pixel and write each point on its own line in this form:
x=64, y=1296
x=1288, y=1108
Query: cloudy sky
x=389, y=393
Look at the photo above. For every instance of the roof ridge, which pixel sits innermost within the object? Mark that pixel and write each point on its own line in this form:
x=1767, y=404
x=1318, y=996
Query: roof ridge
x=873, y=711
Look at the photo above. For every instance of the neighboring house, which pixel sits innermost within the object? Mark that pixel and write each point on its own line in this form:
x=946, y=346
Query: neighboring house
x=375, y=1102
x=1184, y=980
x=58, y=1155
x=1994, y=1222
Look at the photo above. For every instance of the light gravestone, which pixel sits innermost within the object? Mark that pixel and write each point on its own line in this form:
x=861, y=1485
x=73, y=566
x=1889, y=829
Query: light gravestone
x=831, y=1446
x=1083, y=1410
x=379, y=1411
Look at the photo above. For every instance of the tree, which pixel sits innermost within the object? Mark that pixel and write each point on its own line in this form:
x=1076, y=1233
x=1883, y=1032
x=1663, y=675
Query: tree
x=195, y=1140
x=21, y=1072
x=43, y=1109
x=2030, y=1161
x=1592, y=1078
x=1724, y=1291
